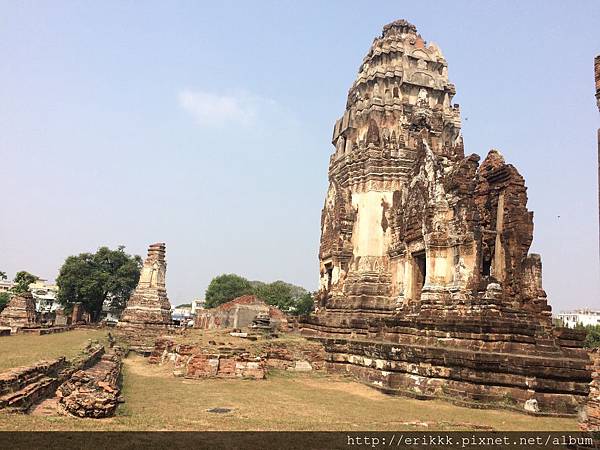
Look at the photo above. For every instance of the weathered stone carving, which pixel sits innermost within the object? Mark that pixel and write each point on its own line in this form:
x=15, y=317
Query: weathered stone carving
x=19, y=313
x=426, y=284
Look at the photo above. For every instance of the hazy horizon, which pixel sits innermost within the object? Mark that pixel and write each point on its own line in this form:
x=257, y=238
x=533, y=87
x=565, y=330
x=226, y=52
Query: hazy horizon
x=208, y=127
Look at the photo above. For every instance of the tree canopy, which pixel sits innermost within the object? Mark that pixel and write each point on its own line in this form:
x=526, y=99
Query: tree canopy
x=4, y=299
x=289, y=298
x=22, y=281
x=226, y=287
x=93, y=278
x=592, y=335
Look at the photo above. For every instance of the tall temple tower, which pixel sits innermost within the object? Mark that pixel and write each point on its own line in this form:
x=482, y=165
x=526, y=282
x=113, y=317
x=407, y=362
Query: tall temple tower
x=148, y=310
x=400, y=99
x=426, y=281
x=408, y=219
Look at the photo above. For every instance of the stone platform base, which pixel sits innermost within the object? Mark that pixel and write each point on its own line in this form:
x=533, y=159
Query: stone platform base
x=140, y=338
x=492, y=357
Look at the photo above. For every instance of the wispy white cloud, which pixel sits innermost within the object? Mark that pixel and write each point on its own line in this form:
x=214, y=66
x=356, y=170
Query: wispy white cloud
x=210, y=109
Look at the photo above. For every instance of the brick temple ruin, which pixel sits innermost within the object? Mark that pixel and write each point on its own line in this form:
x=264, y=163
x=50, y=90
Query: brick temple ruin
x=20, y=313
x=148, y=310
x=426, y=284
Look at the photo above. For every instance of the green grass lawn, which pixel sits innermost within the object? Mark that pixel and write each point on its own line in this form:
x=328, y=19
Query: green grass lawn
x=24, y=349
x=155, y=400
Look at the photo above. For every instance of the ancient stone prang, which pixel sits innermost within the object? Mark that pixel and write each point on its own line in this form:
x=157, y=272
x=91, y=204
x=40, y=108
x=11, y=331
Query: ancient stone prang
x=149, y=306
x=426, y=284
x=148, y=311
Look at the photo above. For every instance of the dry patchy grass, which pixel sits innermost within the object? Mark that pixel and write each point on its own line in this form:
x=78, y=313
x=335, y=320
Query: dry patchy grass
x=202, y=339
x=155, y=400
x=24, y=349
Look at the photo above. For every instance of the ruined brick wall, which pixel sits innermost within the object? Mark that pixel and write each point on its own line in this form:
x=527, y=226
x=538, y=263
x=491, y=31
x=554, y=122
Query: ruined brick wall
x=225, y=366
x=22, y=387
x=196, y=361
x=238, y=313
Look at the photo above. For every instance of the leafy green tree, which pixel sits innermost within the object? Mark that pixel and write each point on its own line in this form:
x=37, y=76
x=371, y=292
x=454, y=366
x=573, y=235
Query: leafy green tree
x=278, y=293
x=592, y=337
x=225, y=288
x=4, y=299
x=2, y=275
x=93, y=278
x=22, y=281
x=285, y=296
x=304, y=305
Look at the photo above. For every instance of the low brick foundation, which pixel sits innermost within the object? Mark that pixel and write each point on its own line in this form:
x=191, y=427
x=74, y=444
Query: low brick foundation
x=45, y=330
x=225, y=366
x=93, y=392
x=305, y=357
x=229, y=361
x=23, y=387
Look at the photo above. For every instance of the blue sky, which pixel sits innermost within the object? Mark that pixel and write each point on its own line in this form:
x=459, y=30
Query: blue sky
x=207, y=125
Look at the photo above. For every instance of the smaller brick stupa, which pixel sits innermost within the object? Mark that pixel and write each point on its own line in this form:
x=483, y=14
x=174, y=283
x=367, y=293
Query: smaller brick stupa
x=19, y=313
x=148, y=311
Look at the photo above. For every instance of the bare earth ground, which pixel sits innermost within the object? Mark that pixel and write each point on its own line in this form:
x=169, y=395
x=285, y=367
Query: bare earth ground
x=155, y=400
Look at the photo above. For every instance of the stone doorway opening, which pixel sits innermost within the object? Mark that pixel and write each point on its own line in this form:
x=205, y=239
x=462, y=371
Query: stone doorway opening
x=419, y=273
x=329, y=271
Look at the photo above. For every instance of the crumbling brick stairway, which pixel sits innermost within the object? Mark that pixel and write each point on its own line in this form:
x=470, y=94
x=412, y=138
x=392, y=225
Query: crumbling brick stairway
x=24, y=387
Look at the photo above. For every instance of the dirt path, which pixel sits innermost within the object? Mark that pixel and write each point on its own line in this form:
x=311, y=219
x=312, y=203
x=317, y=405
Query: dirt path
x=48, y=407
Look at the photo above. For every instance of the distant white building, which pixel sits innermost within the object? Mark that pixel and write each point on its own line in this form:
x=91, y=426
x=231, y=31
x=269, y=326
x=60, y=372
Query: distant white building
x=197, y=304
x=579, y=316
x=181, y=315
x=6, y=285
x=44, y=295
